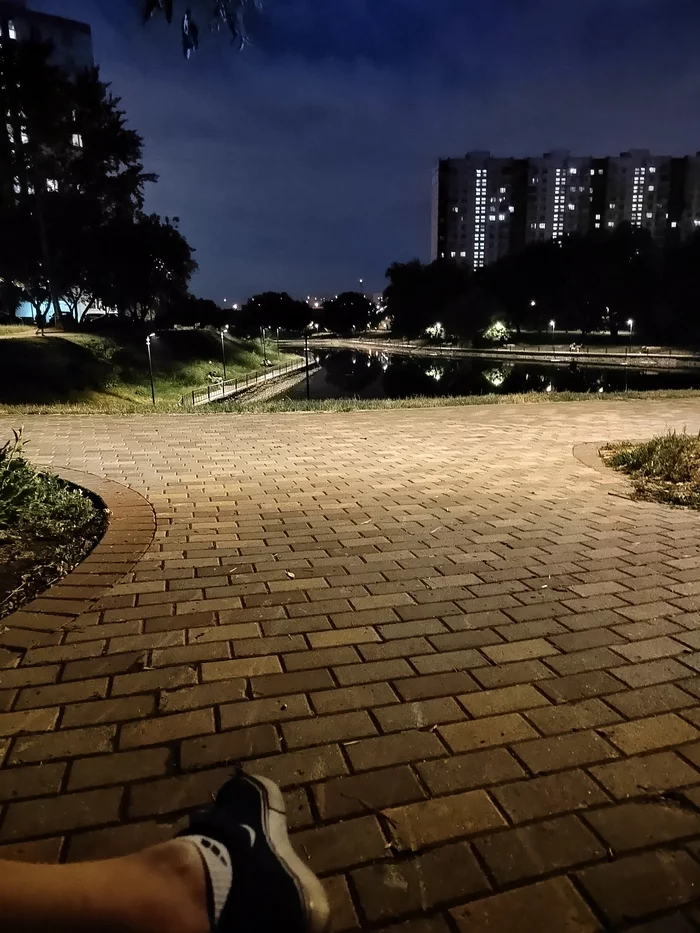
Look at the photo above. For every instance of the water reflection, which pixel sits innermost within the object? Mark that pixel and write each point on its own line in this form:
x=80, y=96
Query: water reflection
x=377, y=374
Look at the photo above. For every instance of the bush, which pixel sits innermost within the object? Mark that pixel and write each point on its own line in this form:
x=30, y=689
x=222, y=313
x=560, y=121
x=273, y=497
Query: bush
x=46, y=527
x=665, y=468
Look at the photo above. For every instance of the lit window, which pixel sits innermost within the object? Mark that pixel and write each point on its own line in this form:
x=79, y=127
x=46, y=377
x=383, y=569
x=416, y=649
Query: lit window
x=572, y=207
x=10, y=133
x=543, y=226
x=78, y=141
x=23, y=135
x=501, y=216
x=674, y=224
x=502, y=190
x=511, y=209
x=597, y=226
x=453, y=254
x=463, y=255
x=455, y=209
x=600, y=171
x=611, y=223
x=597, y=216
x=492, y=217
x=18, y=187
x=652, y=169
x=51, y=184
x=30, y=189
x=649, y=215
x=696, y=223
x=592, y=171
x=572, y=171
x=11, y=30
x=651, y=187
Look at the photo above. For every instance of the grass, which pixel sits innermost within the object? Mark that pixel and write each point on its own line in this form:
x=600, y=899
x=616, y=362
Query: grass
x=101, y=404
x=93, y=373
x=664, y=469
x=46, y=527
x=16, y=330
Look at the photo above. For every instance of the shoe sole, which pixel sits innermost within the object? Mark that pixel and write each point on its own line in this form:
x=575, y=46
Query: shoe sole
x=309, y=887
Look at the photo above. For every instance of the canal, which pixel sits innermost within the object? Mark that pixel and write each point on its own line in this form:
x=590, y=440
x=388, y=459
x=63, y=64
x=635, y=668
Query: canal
x=350, y=373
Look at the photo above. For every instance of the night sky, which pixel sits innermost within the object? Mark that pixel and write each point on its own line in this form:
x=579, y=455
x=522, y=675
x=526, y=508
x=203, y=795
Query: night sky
x=304, y=163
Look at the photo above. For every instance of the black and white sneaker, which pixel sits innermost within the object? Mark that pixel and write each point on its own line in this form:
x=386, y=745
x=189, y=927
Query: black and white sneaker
x=256, y=882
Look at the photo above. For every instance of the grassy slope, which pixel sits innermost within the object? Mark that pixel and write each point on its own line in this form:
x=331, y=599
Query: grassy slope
x=89, y=372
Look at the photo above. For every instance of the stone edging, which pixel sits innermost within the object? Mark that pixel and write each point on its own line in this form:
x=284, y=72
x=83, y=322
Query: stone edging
x=589, y=455
x=130, y=531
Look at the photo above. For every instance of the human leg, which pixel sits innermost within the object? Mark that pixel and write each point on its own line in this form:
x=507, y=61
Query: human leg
x=232, y=870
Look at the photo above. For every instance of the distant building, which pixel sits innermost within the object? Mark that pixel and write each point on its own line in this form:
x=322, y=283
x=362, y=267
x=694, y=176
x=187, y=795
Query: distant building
x=486, y=207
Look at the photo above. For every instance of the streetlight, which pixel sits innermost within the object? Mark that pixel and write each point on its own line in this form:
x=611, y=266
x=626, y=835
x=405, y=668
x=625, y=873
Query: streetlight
x=262, y=331
x=306, y=354
x=552, y=324
x=533, y=303
x=630, y=324
x=223, y=351
x=150, y=366
x=278, y=340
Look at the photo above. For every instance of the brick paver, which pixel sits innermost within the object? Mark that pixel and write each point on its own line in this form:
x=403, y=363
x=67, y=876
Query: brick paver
x=470, y=658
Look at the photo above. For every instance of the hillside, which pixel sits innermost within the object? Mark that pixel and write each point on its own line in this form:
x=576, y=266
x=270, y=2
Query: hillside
x=111, y=372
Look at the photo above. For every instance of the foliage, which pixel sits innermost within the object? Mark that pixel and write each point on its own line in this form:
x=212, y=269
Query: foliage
x=348, y=313
x=273, y=309
x=665, y=469
x=231, y=15
x=72, y=193
x=46, y=526
x=584, y=282
x=38, y=501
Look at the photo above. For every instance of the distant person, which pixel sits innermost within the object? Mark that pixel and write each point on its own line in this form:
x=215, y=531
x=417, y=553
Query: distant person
x=40, y=323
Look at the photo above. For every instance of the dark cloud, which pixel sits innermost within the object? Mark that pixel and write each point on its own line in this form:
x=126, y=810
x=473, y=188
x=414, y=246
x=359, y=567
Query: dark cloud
x=305, y=163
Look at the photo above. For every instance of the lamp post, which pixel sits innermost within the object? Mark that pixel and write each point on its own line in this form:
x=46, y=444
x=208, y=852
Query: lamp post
x=630, y=324
x=262, y=331
x=306, y=354
x=223, y=350
x=278, y=340
x=150, y=366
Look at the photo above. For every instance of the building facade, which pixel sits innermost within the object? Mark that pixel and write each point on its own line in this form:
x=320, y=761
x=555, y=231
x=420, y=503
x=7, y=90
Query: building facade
x=71, y=40
x=486, y=207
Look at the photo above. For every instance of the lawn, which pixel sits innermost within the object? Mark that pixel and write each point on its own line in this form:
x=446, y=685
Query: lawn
x=88, y=372
x=664, y=469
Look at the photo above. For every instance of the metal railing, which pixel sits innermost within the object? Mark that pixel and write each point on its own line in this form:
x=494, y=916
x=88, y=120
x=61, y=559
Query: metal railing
x=218, y=391
x=641, y=357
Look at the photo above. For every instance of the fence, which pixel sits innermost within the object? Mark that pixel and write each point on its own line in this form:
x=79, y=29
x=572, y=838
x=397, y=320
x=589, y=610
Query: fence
x=640, y=358
x=218, y=391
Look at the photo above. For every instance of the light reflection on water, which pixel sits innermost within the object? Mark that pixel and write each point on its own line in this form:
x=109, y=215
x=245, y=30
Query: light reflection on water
x=377, y=374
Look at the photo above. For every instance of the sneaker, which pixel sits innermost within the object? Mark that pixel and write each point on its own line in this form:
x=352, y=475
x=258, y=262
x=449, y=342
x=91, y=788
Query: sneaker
x=255, y=881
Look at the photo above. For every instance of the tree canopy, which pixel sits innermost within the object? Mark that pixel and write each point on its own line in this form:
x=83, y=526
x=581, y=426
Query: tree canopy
x=221, y=15
x=72, y=193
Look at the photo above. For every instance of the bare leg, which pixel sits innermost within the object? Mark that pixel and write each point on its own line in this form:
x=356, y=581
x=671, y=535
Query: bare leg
x=159, y=890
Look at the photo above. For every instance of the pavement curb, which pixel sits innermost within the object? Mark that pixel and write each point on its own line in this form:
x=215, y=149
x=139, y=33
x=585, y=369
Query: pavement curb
x=130, y=531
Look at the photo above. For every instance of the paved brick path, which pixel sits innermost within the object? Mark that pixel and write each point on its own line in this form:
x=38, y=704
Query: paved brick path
x=475, y=670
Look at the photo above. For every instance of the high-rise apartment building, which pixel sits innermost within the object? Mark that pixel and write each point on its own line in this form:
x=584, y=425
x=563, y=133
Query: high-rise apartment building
x=71, y=44
x=486, y=207
x=71, y=40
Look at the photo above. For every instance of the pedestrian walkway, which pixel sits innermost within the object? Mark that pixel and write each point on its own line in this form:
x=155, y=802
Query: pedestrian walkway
x=468, y=656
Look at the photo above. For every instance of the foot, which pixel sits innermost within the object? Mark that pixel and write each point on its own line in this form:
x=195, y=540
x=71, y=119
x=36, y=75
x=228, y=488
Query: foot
x=255, y=880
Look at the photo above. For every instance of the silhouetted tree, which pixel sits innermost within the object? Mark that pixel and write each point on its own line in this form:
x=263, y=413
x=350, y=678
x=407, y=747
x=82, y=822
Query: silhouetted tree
x=348, y=313
x=229, y=15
